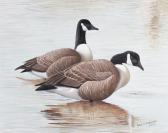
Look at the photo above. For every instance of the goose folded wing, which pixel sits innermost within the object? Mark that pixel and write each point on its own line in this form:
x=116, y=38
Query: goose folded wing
x=47, y=59
x=62, y=64
x=76, y=77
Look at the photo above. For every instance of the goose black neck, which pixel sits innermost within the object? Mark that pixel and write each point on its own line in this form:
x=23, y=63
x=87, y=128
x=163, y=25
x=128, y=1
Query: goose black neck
x=80, y=36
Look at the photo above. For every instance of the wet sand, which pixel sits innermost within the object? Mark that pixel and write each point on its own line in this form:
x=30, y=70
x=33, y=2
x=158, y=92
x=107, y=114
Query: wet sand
x=30, y=28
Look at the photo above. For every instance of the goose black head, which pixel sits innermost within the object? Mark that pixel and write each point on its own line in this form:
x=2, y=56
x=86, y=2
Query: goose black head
x=83, y=26
x=86, y=25
x=124, y=58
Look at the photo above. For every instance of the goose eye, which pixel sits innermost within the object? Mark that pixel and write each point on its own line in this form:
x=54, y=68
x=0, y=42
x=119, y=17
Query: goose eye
x=134, y=61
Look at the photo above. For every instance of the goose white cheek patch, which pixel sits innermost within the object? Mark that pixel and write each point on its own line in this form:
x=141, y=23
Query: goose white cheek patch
x=84, y=27
x=129, y=62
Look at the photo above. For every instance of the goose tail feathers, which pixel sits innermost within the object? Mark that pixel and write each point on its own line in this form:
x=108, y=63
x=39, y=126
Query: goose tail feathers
x=51, y=82
x=45, y=87
x=27, y=66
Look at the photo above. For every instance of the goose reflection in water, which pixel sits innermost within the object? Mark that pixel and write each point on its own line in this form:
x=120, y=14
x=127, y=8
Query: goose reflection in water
x=86, y=116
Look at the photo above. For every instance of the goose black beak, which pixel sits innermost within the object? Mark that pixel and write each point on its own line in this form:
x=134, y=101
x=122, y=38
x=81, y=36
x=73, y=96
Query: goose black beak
x=93, y=28
x=140, y=66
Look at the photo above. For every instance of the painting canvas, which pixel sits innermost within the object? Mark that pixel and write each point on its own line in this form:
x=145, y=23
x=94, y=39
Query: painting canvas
x=103, y=33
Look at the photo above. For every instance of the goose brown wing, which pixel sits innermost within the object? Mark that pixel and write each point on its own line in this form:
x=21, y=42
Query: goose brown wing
x=30, y=65
x=47, y=59
x=83, y=72
x=80, y=73
x=75, y=78
x=90, y=70
x=62, y=64
x=42, y=63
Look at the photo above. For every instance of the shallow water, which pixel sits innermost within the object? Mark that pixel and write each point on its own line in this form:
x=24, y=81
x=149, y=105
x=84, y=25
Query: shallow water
x=32, y=27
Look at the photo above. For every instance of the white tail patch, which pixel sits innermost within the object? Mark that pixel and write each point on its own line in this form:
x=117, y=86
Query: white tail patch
x=67, y=92
x=85, y=52
x=39, y=74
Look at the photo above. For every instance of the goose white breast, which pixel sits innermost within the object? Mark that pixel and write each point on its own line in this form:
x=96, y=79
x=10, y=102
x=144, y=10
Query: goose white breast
x=85, y=52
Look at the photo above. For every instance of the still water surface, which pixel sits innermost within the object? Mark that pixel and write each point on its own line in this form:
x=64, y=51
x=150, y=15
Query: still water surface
x=32, y=27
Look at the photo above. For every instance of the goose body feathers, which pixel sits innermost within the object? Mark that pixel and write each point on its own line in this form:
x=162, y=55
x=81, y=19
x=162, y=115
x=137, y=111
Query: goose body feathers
x=91, y=80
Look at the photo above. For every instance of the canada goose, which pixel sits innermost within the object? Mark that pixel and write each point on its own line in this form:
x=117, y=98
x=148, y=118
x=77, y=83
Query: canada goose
x=94, y=80
x=60, y=59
